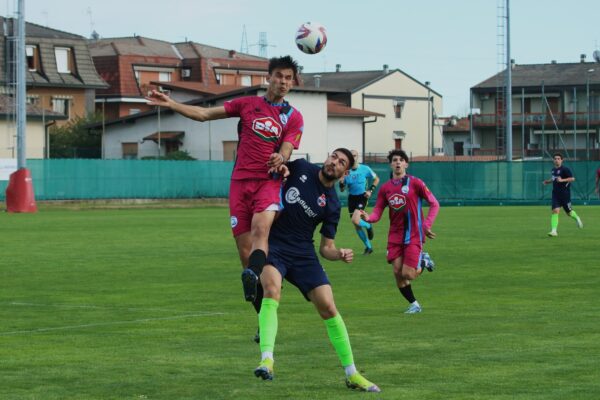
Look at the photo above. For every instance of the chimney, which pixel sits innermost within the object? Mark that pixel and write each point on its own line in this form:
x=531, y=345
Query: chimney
x=512, y=63
x=317, y=79
x=553, y=62
x=582, y=58
x=386, y=69
x=427, y=83
x=231, y=53
x=338, y=67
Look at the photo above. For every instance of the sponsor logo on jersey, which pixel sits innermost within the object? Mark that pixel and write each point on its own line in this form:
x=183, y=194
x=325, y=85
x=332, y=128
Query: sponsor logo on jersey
x=397, y=201
x=292, y=196
x=303, y=178
x=322, y=200
x=234, y=221
x=404, y=189
x=267, y=129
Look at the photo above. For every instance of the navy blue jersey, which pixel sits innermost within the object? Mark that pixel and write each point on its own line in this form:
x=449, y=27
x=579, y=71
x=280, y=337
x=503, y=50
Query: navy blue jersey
x=561, y=188
x=306, y=204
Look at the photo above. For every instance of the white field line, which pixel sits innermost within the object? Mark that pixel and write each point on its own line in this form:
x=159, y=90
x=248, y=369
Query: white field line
x=93, y=325
x=93, y=307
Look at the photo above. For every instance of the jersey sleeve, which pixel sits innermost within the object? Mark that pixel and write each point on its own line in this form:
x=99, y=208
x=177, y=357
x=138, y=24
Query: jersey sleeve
x=233, y=108
x=566, y=173
x=294, y=129
x=379, y=206
x=434, y=205
x=330, y=223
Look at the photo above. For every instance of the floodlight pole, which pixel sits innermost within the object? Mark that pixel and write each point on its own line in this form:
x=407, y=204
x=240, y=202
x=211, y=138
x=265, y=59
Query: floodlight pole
x=21, y=89
x=508, y=88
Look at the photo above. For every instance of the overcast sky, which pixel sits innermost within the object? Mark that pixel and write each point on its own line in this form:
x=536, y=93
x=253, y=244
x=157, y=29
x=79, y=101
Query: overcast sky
x=451, y=43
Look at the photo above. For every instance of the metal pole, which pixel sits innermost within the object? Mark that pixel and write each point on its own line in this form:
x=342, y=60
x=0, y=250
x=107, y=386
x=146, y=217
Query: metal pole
x=471, y=122
x=158, y=132
x=522, y=123
x=587, y=123
x=103, y=128
x=574, y=123
x=508, y=88
x=429, y=133
x=21, y=88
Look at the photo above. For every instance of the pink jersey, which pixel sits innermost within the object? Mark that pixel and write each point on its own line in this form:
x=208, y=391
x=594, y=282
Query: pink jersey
x=264, y=126
x=404, y=199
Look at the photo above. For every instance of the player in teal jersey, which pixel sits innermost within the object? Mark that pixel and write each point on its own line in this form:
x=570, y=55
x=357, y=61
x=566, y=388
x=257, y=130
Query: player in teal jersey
x=358, y=196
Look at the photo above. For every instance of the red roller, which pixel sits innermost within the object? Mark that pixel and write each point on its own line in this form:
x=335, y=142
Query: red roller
x=19, y=192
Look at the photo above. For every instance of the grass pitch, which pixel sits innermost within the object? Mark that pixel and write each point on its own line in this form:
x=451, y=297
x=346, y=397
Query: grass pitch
x=147, y=304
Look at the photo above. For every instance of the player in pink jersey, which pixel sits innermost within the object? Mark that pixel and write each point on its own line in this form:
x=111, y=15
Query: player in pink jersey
x=269, y=129
x=404, y=195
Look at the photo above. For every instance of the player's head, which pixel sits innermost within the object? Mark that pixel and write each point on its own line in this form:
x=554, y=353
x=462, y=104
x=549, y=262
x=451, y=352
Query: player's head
x=282, y=74
x=558, y=159
x=355, y=155
x=398, y=162
x=337, y=164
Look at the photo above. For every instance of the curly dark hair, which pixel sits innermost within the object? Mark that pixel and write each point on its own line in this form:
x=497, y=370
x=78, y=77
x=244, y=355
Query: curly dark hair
x=396, y=152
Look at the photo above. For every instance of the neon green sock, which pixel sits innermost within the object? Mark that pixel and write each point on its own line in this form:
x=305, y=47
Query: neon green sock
x=267, y=323
x=338, y=335
x=554, y=221
x=573, y=215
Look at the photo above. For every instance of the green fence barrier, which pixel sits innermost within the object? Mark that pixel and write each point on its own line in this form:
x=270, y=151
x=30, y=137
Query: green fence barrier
x=451, y=182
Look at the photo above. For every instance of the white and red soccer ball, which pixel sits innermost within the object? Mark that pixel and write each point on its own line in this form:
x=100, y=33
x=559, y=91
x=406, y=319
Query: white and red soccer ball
x=311, y=37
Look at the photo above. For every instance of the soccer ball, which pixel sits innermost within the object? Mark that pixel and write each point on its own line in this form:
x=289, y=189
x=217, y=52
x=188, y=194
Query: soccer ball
x=311, y=38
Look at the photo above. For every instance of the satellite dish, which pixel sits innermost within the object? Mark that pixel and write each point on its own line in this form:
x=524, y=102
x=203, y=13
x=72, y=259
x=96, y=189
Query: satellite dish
x=596, y=55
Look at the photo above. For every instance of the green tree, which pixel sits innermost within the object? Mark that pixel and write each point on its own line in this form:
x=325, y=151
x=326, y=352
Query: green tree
x=76, y=139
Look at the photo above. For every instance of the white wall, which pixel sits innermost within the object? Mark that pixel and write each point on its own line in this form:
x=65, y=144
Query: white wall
x=415, y=117
x=34, y=139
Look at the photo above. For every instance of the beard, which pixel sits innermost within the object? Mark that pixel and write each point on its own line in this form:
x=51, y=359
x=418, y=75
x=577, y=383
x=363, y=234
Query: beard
x=329, y=176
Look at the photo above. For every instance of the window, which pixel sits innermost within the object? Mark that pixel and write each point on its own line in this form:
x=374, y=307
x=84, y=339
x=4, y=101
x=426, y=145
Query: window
x=134, y=111
x=218, y=77
x=130, y=150
x=61, y=105
x=398, y=107
x=64, y=60
x=32, y=54
x=246, y=80
x=164, y=77
x=137, y=76
x=32, y=99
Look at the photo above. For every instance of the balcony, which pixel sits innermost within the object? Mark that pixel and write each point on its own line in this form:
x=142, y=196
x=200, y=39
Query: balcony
x=580, y=119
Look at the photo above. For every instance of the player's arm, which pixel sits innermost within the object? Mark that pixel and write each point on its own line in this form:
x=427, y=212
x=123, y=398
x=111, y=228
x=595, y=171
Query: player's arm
x=377, y=210
x=281, y=157
x=434, y=208
x=328, y=251
x=197, y=113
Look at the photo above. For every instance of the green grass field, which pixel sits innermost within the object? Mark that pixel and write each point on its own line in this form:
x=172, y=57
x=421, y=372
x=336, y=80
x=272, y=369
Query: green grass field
x=147, y=304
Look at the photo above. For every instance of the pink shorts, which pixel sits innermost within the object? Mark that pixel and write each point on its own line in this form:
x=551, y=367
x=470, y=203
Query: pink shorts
x=410, y=253
x=252, y=196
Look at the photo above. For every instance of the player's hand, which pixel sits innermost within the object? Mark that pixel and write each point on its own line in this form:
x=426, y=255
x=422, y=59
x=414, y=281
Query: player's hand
x=156, y=98
x=275, y=160
x=429, y=233
x=559, y=179
x=368, y=194
x=346, y=255
x=282, y=170
x=357, y=216
x=546, y=181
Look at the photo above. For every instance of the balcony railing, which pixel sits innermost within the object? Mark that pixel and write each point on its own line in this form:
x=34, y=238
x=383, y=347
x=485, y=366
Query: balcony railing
x=538, y=119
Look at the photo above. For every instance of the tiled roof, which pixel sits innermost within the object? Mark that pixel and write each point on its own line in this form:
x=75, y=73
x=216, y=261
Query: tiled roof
x=549, y=74
x=457, y=158
x=460, y=125
x=337, y=109
x=343, y=80
x=7, y=107
x=46, y=39
x=198, y=87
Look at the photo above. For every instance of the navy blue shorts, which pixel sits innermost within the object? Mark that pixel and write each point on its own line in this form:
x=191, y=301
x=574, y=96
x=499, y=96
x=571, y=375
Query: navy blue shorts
x=305, y=272
x=562, y=200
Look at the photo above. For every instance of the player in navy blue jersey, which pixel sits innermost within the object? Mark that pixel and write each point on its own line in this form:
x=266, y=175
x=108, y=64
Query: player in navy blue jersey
x=309, y=199
x=561, y=180
x=356, y=181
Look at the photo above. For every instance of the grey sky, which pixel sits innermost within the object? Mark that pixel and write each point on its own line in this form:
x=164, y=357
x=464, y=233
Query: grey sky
x=452, y=44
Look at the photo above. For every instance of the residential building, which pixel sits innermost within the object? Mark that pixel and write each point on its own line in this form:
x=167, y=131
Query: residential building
x=60, y=74
x=408, y=106
x=327, y=125
x=135, y=65
x=555, y=107
x=38, y=122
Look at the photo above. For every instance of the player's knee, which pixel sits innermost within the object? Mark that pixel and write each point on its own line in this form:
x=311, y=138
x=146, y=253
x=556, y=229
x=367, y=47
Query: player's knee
x=271, y=290
x=328, y=310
